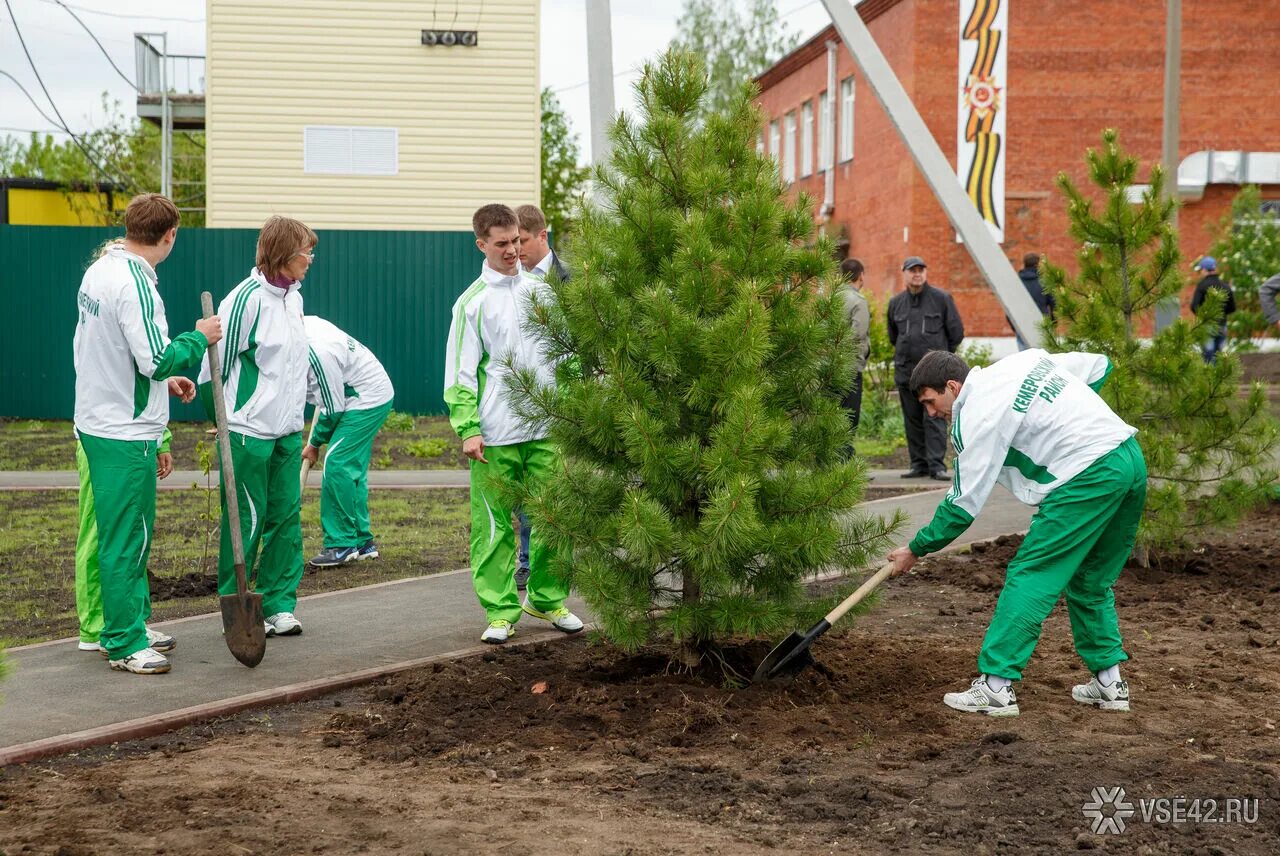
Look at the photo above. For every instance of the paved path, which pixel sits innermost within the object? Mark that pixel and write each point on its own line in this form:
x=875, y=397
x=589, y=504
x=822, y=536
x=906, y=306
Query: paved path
x=58, y=698
x=401, y=479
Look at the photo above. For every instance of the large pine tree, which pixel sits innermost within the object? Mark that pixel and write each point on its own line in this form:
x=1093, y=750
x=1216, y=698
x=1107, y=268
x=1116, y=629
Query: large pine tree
x=1207, y=445
x=702, y=356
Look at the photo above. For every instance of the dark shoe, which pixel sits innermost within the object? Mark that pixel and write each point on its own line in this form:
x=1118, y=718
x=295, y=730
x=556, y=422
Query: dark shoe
x=914, y=474
x=522, y=579
x=368, y=551
x=940, y=475
x=334, y=556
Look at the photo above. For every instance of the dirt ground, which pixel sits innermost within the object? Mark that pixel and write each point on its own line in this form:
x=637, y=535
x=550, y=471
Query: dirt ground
x=574, y=748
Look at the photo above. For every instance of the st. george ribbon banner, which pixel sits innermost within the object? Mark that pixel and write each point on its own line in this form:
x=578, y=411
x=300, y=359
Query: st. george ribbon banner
x=980, y=128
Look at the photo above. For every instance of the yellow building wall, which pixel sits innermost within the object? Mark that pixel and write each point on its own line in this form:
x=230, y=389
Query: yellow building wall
x=50, y=207
x=468, y=118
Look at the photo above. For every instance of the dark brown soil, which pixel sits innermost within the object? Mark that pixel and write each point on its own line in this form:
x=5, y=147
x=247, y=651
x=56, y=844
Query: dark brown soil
x=575, y=747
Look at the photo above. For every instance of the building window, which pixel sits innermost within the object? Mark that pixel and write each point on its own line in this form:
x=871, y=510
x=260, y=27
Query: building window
x=775, y=141
x=806, y=139
x=846, y=119
x=760, y=143
x=824, y=131
x=789, y=150
x=344, y=150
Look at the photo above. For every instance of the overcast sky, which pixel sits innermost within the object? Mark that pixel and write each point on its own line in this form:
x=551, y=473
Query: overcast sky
x=76, y=73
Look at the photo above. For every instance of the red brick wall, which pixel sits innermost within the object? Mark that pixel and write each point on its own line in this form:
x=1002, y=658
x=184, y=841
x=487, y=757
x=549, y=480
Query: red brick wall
x=1073, y=71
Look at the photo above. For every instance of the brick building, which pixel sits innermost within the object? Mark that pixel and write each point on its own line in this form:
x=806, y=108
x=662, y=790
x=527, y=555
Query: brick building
x=1073, y=68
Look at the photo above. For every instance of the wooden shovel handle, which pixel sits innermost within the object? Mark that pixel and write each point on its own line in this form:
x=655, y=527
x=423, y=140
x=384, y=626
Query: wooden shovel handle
x=863, y=590
x=224, y=454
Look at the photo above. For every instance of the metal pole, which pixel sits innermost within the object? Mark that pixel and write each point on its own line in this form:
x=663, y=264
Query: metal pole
x=166, y=125
x=937, y=171
x=1168, y=310
x=600, y=74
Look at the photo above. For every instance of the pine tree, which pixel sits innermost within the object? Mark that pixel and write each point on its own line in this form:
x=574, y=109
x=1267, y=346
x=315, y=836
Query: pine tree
x=701, y=359
x=1207, y=447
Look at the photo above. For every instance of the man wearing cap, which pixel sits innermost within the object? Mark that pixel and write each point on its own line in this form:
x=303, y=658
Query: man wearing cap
x=1209, y=267
x=921, y=319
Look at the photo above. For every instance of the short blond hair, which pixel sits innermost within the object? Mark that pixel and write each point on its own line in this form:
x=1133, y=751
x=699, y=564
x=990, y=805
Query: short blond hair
x=531, y=218
x=149, y=217
x=280, y=240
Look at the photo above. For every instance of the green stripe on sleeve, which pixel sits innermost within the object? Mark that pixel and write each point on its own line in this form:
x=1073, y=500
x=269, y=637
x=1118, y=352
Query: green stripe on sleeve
x=146, y=308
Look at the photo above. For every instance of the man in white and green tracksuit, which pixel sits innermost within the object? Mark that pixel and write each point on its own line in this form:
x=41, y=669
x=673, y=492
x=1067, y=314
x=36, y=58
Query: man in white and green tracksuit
x=264, y=377
x=126, y=368
x=486, y=331
x=88, y=579
x=1034, y=423
x=352, y=395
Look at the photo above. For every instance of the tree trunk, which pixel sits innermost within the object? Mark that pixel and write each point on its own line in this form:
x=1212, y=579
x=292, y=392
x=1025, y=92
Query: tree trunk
x=691, y=646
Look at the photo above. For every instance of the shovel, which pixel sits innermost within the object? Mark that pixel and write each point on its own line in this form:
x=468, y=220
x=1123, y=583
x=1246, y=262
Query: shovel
x=791, y=656
x=242, y=622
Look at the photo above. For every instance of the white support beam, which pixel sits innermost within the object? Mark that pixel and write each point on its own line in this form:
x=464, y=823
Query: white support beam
x=600, y=76
x=937, y=171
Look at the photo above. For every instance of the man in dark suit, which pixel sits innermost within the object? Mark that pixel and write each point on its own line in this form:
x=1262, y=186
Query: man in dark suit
x=536, y=255
x=536, y=258
x=921, y=319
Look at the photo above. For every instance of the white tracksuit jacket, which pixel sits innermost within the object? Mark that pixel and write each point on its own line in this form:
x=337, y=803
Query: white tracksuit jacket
x=264, y=358
x=486, y=328
x=342, y=374
x=122, y=350
x=1031, y=422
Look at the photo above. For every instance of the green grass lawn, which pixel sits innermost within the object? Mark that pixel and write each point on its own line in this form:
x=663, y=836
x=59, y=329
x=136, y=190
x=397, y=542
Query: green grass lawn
x=405, y=443
x=418, y=532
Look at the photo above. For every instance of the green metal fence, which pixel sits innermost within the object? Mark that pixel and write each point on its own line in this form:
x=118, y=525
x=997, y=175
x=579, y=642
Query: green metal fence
x=391, y=290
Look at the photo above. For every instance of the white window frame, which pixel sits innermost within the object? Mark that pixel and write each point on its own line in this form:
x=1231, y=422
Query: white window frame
x=846, y=119
x=806, y=138
x=789, y=149
x=824, y=132
x=760, y=143
x=775, y=142
x=335, y=150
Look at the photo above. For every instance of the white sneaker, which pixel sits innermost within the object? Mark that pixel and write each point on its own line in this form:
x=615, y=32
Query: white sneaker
x=980, y=698
x=92, y=646
x=283, y=624
x=498, y=632
x=144, y=662
x=561, y=619
x=160, y=642
x=1113, y=697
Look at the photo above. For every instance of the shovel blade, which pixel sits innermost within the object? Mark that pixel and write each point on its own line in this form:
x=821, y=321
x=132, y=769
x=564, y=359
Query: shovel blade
x=789, y=658
x=242, y=627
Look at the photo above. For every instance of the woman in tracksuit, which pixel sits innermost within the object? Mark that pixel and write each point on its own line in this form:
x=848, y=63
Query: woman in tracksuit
x=264, y=377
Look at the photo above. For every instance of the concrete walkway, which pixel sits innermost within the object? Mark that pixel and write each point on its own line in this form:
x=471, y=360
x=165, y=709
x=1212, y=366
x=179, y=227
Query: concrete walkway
x=58, y=699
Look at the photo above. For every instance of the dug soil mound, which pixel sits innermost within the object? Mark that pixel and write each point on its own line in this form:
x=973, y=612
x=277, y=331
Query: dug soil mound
x=574, y=747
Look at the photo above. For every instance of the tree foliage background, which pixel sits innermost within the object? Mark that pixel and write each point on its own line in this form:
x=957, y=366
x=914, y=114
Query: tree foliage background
x=564, y=179
x=125, y=152
x=1248, y=254
x=702, y=355
x=1207, y=447
x=738, y=39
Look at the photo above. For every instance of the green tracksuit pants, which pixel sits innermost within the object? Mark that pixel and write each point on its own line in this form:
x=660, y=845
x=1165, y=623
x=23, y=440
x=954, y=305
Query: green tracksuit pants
x=122, y=481
x=344, y=493
x=1077, y=546
x=270, y=496
x=493, y=540
x=88, y=582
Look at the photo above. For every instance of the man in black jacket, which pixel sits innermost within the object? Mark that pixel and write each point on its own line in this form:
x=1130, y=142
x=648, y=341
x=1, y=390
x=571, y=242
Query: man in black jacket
x=1209, y=266
x=1030, y=276
x=921, y=319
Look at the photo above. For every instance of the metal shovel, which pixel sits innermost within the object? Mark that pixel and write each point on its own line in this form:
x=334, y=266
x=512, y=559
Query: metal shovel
x=791, y=656
x=242, y=622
